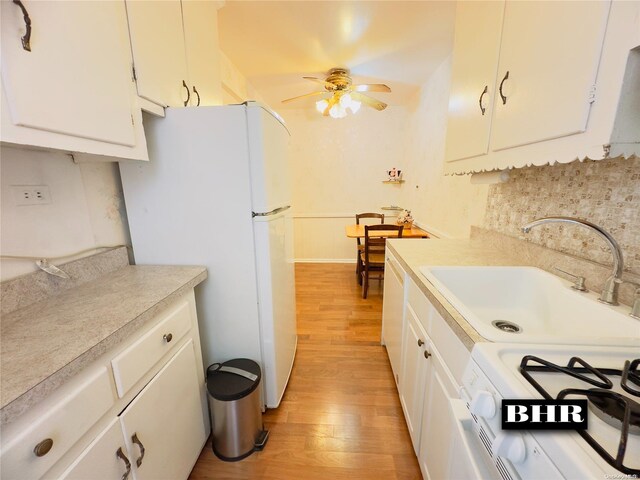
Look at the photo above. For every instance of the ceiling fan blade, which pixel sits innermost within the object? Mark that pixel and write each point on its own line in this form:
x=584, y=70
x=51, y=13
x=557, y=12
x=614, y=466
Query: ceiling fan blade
x=303, y=96
x=372, y=87
x=367, y=100
x=328, y=85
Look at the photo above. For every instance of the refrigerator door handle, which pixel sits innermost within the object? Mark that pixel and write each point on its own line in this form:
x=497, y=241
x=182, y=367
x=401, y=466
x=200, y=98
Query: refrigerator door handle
x=272, y=212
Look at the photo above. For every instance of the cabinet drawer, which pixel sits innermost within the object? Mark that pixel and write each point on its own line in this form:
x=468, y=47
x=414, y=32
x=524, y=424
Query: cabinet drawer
x=141, y=356
x=63, y=422
x=420, y=305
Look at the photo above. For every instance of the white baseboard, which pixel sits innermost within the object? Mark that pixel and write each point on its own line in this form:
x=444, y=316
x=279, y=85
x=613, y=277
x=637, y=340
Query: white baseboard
x=324, y=260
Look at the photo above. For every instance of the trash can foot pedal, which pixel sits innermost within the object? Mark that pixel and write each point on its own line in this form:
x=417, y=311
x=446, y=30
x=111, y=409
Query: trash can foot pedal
x=261, y=441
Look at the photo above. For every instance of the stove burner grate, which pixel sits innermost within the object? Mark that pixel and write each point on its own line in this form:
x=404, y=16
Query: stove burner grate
x=631, y=374
x=610, y=408
x=627, y=408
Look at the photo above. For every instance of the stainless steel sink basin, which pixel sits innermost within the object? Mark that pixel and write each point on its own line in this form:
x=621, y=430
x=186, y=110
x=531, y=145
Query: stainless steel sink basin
x=530, y=305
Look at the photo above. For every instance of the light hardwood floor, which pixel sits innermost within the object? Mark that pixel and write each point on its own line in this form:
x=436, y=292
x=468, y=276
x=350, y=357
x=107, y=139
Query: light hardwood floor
x=340, y=417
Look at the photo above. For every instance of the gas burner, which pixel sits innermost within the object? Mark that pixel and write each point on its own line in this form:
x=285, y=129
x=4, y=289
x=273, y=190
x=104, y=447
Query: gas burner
x=610, y=408
x=622, y=412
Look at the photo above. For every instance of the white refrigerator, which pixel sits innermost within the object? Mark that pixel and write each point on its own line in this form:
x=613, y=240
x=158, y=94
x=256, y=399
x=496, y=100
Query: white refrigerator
x=216, y=192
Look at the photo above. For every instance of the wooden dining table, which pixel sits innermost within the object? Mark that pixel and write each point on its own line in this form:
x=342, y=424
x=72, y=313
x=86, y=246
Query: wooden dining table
x=357, y=231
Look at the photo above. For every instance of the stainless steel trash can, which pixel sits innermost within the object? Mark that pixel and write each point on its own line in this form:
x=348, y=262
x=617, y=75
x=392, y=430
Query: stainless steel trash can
x=234, y=405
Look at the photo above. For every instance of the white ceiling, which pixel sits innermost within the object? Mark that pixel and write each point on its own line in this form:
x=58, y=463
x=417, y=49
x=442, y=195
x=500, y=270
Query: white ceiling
x=274, y=44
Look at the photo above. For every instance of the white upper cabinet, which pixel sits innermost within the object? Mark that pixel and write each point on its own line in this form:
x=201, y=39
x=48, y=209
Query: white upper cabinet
x=175, y=50
x=73, y=90
x=157, y=42
x=548, y=67
x=560, y=87
x=203, y=55
x=473, y=78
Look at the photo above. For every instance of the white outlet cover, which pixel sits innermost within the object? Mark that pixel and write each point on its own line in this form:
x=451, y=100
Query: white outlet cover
x=31, y=194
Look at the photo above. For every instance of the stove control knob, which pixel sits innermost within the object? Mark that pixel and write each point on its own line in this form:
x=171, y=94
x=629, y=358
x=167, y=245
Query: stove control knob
x=510, y=446
x=483, y=404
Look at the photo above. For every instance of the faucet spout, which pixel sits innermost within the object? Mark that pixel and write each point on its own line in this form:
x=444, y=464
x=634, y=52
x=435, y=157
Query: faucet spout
x=610, y=291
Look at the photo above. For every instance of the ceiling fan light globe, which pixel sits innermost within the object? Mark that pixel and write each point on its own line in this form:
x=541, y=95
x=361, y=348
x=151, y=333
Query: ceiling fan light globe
x=345, y=100
x=355, y=106
x=321, y=105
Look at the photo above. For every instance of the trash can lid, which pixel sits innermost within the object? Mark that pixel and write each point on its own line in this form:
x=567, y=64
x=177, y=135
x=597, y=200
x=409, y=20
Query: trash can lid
x=233, y=380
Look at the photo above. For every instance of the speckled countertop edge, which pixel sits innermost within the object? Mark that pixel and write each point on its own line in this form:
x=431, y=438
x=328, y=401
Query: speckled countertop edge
x=462, y=329
x=415, y=253
x=489, y=248
x=20, y=403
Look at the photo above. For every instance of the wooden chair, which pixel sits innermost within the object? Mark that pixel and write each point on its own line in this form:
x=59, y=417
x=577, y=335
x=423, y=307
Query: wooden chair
x=372, y=255
x=360, y=245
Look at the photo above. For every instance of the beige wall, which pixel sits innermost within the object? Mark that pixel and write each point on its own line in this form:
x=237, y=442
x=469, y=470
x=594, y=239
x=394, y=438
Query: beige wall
x=235, y=87
x=338, y=166
x=87, y=208
x=446, y=206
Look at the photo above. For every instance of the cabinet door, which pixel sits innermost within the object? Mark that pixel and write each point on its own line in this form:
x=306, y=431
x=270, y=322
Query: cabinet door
x=157, y=41
x=392, y=314
x=203, y=54
x=76, y=80
x=436, y=422
x=551, y=52
x=473, y=78
x=100, y=460
x=166, y=418
x=414, y=375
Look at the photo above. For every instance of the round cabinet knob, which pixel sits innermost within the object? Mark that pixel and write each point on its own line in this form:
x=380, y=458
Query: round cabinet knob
x=426, y=354
x=43, y=447
x=167, y=337
x=420, y=342
x=483, y=404
x=510, y=446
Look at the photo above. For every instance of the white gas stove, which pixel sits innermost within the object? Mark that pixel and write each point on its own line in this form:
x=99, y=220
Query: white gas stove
x=495, y=373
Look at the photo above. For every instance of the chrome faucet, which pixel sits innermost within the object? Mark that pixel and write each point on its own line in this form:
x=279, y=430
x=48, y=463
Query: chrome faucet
x=609, y=293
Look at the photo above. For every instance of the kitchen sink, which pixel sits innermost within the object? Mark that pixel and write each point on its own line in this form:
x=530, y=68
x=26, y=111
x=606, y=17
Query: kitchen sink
x=530, y=305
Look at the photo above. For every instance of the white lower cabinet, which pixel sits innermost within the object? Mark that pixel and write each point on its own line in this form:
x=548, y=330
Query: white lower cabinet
x=436, y=440
x=393, y=313
x=163, y=426
x=153, y=430
x=159, y=435
x=415, y=369
x=433, y=360
x=106, y=457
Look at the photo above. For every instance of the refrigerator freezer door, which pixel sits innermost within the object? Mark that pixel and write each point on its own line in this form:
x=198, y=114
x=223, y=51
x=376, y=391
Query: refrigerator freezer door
x=269, y=163
x=276, y=298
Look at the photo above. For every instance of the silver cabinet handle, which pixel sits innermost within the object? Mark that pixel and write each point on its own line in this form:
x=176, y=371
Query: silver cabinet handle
x=42, y=448
x=127, y=463
x=137, y=441
x=167, y=337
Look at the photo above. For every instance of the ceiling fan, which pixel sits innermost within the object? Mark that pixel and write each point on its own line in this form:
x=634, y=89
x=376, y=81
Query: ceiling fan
x=344, y=95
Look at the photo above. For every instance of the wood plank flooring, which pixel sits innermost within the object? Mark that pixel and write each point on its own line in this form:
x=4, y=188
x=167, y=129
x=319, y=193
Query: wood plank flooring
x=340, y=417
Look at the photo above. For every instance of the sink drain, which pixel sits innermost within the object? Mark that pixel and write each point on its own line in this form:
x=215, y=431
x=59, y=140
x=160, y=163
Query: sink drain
x=506, y=326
